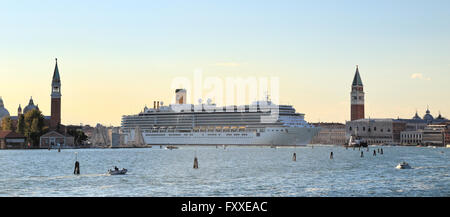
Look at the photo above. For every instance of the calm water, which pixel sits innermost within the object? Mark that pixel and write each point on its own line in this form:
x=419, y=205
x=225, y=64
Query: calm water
x=235, y=171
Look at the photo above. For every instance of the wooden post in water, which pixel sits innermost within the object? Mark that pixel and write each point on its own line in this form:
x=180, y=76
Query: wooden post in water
x=195, y=163
x=76, y=170
x=294, y=157
x=362, y=154
x=331, y=155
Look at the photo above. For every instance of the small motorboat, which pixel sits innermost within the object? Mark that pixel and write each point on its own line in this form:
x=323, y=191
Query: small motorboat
x=170, y=147
x=123, y=171
x=403, y=165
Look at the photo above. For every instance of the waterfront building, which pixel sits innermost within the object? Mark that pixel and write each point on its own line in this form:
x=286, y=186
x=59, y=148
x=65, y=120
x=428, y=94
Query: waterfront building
x=404, y=131
x=434, y=135
x=55, y=139
x=11, y=140
x=330, y=133
x=411, y=137
x=423, y=130
x=357, y=97
x=376, y=131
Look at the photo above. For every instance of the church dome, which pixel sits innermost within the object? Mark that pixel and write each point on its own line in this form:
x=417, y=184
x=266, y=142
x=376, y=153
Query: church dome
x=3, y=111
x=428, y=117
x=30, y=107
x=416, y=117
x=440, y=117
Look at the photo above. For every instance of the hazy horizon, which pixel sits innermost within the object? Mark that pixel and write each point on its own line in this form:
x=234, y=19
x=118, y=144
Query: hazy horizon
x=115, y=57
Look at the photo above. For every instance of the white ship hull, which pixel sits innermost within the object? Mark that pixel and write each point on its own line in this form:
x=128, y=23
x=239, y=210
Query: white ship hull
x=271, y=136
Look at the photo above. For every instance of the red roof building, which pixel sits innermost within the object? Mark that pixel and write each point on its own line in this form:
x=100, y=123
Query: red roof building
x=11, y=140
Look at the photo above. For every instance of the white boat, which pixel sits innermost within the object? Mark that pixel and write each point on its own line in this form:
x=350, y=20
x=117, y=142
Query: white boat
x=260, y=123
x=354, y=142
x=117, y=172
x=403, y=165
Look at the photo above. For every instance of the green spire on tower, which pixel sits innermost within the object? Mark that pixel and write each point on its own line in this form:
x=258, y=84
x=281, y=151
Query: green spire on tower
x=56, y=73
x=357, y=79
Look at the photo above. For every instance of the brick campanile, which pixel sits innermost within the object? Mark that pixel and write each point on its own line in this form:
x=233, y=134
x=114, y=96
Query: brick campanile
x=55, y=118
x=357, y=97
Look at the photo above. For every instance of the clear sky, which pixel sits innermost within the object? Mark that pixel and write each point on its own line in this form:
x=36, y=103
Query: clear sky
x=116, y=56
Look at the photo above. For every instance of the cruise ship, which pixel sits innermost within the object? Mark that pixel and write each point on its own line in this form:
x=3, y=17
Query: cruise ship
x=260, y=123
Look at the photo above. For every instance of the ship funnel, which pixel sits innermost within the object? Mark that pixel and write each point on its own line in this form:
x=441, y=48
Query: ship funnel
x=180, y=96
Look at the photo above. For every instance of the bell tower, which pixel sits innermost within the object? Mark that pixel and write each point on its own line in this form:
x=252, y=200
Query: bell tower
x=357, y=97
x=55, y=118
x=19, y=111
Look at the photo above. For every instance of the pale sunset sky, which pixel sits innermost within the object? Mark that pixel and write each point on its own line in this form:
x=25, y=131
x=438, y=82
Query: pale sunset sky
x=114, y=57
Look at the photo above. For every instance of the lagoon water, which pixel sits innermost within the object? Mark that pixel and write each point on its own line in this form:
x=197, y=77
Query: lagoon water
x=234, y=171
